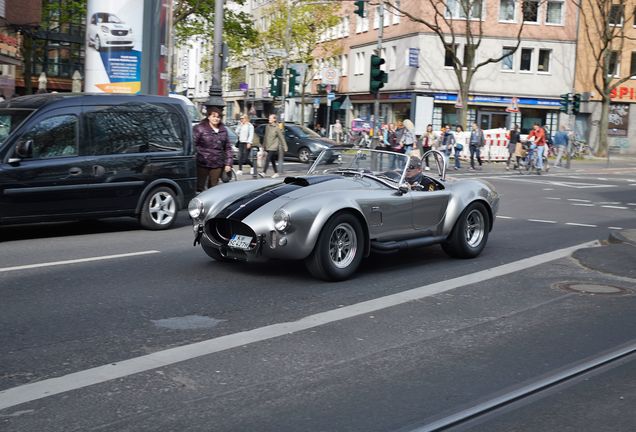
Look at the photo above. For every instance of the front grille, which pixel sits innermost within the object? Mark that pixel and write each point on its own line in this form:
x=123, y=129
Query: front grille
x=221, y=230
x=119, y=32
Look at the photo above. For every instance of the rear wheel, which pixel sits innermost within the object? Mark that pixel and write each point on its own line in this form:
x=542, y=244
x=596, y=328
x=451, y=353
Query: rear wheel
x=304, y=155
x=470, y=233
x=159, y=210
x=338, y=251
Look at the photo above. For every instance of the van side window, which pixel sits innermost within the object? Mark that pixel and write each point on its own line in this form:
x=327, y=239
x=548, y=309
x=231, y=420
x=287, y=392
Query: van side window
x=143, y=128
x=52, y=137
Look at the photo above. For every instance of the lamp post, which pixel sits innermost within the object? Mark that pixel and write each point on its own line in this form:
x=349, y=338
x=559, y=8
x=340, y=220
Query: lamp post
x=215, y=93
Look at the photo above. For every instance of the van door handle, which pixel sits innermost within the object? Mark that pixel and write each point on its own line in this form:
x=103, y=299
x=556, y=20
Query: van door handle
x=75, y=171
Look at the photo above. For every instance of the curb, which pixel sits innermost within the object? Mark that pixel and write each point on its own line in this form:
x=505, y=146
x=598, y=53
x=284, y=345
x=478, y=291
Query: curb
x=624, y=236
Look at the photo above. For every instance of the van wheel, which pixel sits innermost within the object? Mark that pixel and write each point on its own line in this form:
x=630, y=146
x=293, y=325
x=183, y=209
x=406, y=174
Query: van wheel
x=97, y=44
x=159, y=210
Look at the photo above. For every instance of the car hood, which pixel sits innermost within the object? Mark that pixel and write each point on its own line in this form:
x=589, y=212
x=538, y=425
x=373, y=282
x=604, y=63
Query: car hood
x=323, y=141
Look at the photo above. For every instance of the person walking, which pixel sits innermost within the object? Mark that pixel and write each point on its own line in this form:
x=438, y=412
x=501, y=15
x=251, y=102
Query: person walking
x=448, y=142
x=477, y=141
x=460, y=142
x=408, y=136
x=538, y=133
x=273, y=142
x=514, y=137
x=560, y=140
x=245, y=132
x=337, y=131
x=429, y=142
x=214, y=151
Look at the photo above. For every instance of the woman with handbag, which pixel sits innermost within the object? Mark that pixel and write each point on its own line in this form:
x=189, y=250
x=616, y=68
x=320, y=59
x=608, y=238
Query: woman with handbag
x=214, y=152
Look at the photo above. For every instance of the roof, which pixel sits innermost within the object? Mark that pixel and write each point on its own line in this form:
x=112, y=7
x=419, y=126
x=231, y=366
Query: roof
x=39, y=100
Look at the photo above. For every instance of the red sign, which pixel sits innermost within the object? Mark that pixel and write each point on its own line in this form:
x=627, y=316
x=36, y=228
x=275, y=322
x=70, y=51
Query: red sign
x=623, y=92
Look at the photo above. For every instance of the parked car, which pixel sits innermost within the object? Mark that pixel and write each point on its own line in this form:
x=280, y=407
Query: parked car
x=106, y=30
x=78, y=156
x=341, y=212
x=191, y=108
x=302, y=142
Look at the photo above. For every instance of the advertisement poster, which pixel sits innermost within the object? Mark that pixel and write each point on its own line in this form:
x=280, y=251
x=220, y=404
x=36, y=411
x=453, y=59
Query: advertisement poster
x=113, y=46
x=618, y=120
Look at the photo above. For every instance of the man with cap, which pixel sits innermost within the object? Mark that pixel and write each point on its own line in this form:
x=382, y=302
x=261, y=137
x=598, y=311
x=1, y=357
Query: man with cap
x=414, y=173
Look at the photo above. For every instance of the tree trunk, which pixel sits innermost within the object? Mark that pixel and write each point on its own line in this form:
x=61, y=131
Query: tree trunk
x=463, y=111
x=602, y=127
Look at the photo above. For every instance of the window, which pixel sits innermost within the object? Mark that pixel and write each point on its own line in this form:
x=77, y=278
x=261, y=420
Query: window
x=464, y=8
x=616, y=15
x=469, y=56
x=359, y=66
x=531, y=11
x=544, y=60
x=393, y=58
x=345, y=26
x=396, y=14
x=526, y=59
x=345, y=65
x=507, y=10
x=507, y=63
x=376, y=17
x=383, y=56
x=554, y=12
x=449, y=55
x=53, y=137
x=358, y=24
x=614, y=66
x=133, y=128
x=632, y=69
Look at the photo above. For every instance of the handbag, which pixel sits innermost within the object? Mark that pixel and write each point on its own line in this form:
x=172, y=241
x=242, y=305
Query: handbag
x=459, y=147
x=261, y=156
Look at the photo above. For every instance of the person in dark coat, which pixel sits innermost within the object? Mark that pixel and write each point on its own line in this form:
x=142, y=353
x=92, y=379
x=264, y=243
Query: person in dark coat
x=214, y=151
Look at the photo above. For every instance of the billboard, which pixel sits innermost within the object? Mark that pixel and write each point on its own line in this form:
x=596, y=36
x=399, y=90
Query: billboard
x=113, y=46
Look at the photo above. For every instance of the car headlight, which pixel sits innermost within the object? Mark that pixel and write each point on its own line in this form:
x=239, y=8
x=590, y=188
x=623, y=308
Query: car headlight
x=195, y=208
x=281, y=220
x=104, y=29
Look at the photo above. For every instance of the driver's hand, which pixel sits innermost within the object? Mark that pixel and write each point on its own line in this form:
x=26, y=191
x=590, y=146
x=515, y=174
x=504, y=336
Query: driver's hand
x=228, y=168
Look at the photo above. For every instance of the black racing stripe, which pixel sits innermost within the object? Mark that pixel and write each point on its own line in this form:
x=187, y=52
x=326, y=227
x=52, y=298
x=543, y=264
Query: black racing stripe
x=246, y=205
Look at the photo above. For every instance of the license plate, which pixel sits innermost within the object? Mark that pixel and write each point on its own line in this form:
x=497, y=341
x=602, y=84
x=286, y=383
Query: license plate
x=240, y=242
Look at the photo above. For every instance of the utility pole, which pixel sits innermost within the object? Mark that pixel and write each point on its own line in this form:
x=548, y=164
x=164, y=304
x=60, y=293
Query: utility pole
x=215, y=93
x=376, y=102
x=281, y=153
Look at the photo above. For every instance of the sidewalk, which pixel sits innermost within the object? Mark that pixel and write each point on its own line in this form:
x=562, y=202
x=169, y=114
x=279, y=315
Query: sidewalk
x=617, y=257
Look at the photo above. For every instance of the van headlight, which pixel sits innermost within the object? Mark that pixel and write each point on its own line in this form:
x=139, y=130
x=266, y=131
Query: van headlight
x=195, y=208
x=282, y=220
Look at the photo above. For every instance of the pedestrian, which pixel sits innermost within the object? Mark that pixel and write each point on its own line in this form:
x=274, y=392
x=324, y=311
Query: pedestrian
x=337, y=131
x=538, y=133
x=399, y=131
x=477, y=141
x=447, y=142
x=460, y=142
x=214, y=151
x=429, y=142
x=245, y=132
x=273, y=142
x=514, y=137
x=318, y=129
x=408, y=136
x=561, y=140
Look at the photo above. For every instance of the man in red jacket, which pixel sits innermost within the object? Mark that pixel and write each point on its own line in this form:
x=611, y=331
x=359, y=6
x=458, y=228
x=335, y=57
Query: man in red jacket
x=539, y=139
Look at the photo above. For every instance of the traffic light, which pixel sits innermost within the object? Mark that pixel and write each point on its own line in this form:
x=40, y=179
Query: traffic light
x=576, y=103
x=276, y=83
x=565, y=103
x=377, y=76
x=293, y=83
x=359, y=8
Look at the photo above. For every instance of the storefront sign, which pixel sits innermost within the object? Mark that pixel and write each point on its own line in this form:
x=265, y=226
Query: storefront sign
x=618, y=120
x=447, y=97
x=624, y=92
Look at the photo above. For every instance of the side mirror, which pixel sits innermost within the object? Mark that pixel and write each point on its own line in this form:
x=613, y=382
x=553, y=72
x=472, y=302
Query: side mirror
x=24, y=149
x=404, y=188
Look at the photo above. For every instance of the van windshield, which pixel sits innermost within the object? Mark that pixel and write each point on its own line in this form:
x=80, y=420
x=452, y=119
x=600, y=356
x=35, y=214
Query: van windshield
x=10, y=119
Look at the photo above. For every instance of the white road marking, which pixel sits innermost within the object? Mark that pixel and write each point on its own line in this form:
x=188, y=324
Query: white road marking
x=581, y=225
x=615, y=228
x=543, y=221
x=74, y=381
x=615, y=207
x=608, y=203
x=553, y=198
x=583, y=205
x=75, y=261
x=504, y=217
x=632, y=204
x=578, y=200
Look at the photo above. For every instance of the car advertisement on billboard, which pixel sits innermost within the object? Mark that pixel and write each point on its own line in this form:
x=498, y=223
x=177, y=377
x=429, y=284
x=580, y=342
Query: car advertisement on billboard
x=113, y=46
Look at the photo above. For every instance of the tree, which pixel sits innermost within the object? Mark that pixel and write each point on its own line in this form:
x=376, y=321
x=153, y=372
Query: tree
x=447, y=19
x=302, y=41
x=604, y=24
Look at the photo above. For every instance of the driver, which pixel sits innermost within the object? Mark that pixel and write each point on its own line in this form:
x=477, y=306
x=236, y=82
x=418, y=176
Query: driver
x=414, y=174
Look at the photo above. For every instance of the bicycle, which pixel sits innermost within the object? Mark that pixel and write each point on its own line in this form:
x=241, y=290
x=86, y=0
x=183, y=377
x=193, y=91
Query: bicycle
x=580, y=149
x=528, y=163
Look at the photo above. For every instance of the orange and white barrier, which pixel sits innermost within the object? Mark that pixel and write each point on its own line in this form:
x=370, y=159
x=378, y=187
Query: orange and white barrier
x=496, y=147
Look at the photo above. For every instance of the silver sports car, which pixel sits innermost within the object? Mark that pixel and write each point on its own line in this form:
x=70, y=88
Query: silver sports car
x=352, y=202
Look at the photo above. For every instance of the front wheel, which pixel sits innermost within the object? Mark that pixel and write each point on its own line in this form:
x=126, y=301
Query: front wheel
x=304, y=155
x=213, y=252
x=338, y=251
x=97, y=44
x=159, y=210
x=470, y=233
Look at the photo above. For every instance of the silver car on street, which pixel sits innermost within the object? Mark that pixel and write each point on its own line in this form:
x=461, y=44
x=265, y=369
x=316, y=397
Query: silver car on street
x=351, y=203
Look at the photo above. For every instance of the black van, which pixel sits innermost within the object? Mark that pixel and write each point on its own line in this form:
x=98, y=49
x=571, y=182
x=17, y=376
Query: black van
x=77, y=156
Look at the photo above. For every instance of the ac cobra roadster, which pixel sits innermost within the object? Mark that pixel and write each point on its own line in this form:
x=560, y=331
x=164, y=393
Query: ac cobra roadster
x=352, y=202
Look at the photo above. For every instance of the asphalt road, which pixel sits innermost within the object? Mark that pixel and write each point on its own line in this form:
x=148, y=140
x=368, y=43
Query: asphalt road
x=109, y=327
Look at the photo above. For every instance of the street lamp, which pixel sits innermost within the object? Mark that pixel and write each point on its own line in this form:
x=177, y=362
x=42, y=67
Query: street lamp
x=215, y=99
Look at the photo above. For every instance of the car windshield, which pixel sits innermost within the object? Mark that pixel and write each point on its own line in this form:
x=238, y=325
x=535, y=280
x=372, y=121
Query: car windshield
x=385, y=165
x=302, y=131
x=113, y=19
x=10, y=120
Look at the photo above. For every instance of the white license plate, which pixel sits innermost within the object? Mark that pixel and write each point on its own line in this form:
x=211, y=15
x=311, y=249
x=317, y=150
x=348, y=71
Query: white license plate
x=240, y=242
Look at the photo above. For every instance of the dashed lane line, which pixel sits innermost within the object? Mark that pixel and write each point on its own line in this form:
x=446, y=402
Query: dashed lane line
x=615, y=207
x=556, y=222
x=583, y=205
x=542, y=221
x=581, y=225
x=76, y=261
x=100, y=374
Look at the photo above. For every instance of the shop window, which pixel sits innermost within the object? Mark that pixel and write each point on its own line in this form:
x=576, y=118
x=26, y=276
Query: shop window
x=526, y=59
